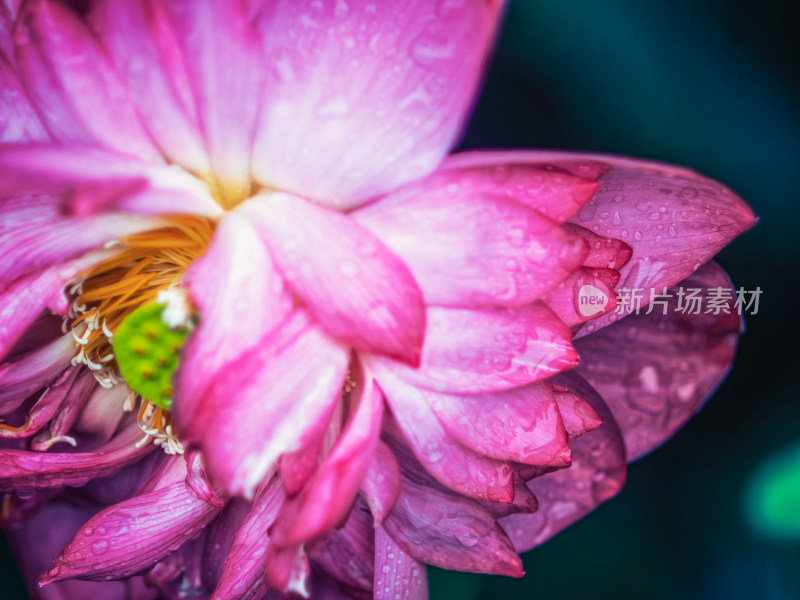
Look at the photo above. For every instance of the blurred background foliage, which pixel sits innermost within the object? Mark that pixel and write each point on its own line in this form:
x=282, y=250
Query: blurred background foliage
x=711, y=84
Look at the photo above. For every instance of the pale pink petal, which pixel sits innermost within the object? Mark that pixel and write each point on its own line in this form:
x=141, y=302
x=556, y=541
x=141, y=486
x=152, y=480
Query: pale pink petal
x=241, y=298
x=297, y=467
x=352, y=284
x=447, y=530
x=467, y=247
x=22, y=471
x=72, y=85
x=267, y=401
x=361, y=97
x=103, y=412
x=24, y=375
x=330, y=493
x=454, y=465
x=223, y=60
x=656, y=370
x=396, y=572
x=94, y=179
x=44, y=408
x=52, y=528
x=522, y=425
x=381, y=483
x=579, y=416
x=130, y=536
x=475, y=351
x=244, y=572
x=597, y=473
x=68, y=412
x=551, y=188
x=18, y=119
x=289, y=569
x=143, y=49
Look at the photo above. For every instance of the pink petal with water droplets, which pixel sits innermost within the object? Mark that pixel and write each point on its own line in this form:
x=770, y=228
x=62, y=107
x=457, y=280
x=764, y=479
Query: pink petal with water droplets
x=655, y=371
x=556, y=191
x=604, y=253
x=72, y=85
x=243, y=575
x=452, y=464
x=235, y=315
x=579, y=416
x=330, y=493
x=596, y=474
x=587, y=294
x=131, y=536
x=447, y=530
x=381, y=88
x=268, y=401
x=24, y=375
x=142, y=47
x=18, y=119
x=475, y=351
x=352, y=284
x=381, y=483
x=223, y=60
x=467, y=247
x=396, y=572
x=522, y=425
x=95, y=179
x=52, y=528
x=22, y=471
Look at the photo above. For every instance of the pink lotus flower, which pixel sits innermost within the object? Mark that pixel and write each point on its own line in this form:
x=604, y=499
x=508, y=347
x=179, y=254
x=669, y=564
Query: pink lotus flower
x=377, y=375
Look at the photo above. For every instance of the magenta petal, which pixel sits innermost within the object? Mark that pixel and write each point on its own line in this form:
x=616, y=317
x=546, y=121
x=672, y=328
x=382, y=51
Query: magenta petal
x=234, y=315
x=244, y=572
x=22, y=471
x=330, y=493
x=382, y=88
x=268, y=401
x=522, y=425
x=52, y=528
x=381, y=483
x=604, y=253
x=396, y=572
x=570, y=300
x=130, y=536
x=44, y=408
x=352, y=284
x=144, y=51
x=24, y=375
x=475, y=351
x=655, y=371
x=223, y=60
x=596, y=474
x=555, y=190
x=71, y=82
x=467, y=247
x=98, y=179
x=18, y=119
x=579, y=416
x=454, y=465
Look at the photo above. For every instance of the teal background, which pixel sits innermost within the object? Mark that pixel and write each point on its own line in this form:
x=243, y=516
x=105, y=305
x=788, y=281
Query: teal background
x=714, y=85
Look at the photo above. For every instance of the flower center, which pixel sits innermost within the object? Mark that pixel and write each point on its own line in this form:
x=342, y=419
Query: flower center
x=145, y=268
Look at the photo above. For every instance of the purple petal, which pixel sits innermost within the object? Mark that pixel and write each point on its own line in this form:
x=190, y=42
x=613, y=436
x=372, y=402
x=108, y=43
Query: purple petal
x=352, y=284
x=381, y=483
x=596, y=474
x=22, y=471
x=130, y=536
x=396, y=572
x=655, y=371
x=18, y=119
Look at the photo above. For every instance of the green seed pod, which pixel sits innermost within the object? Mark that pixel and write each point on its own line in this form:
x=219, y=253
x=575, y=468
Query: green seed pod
x=147, y=350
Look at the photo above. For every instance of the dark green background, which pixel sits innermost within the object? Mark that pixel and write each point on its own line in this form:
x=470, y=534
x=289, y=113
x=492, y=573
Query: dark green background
x=714, y=85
